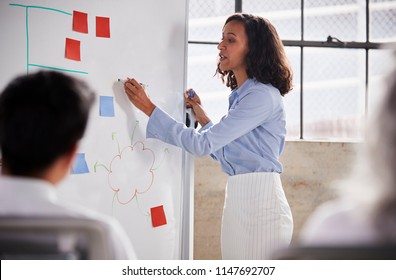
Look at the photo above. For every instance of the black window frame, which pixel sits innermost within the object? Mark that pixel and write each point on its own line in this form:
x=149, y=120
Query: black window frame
x=330, y=42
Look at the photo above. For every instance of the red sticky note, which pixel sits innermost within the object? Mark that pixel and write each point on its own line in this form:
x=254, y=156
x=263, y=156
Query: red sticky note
x=72, y=49
x=158, y=216
x=80, y=22
x=103, y=27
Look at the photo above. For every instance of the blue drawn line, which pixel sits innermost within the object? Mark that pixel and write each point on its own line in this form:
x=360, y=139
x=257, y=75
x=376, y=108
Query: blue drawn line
x=27, y=38
x=56, y=68
x=43, y=8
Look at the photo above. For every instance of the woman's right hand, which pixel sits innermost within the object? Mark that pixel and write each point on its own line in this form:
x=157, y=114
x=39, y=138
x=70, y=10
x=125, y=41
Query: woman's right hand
x=138, y=97
x=194, y=102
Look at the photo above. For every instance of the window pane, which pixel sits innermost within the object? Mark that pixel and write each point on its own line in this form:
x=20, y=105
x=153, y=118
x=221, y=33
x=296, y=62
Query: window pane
x=207, y=17
x=334, y=92
x=334, y=79
x=202, y=61
x=343, y=19
x=284, y=15
x=214, y=94
x=292, y=99
x=383, y=20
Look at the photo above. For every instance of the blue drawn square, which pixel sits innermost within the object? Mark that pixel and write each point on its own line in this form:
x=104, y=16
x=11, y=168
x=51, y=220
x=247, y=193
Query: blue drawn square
x=80, y=165
x=106, y=106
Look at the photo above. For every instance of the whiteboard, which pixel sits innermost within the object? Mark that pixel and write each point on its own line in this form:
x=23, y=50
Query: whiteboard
x=143, y=183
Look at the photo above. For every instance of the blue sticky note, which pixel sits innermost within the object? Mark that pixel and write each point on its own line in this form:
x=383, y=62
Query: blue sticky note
x=80, y=165
x=106, y=106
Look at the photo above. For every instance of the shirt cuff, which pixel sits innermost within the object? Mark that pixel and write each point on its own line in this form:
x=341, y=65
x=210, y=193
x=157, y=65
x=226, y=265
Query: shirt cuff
x=157, y=124
x=206, y=127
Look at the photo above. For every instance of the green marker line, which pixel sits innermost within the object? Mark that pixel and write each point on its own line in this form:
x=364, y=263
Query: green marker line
x=43, y=8
x=113, y=203
x=27, y=40
x=113, y=137
x=133, y=132
x=100, y=165
x=166, y=150
x=56, y=68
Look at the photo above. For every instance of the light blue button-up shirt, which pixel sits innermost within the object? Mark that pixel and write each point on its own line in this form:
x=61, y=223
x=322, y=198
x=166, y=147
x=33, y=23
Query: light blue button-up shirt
x=249, y=138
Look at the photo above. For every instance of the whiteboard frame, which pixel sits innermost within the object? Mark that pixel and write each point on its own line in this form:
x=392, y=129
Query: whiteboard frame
x=187, y=182
x=187, y=234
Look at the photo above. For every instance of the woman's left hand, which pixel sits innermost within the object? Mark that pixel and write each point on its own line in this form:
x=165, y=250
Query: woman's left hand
x=194, y=102
x=138, y=96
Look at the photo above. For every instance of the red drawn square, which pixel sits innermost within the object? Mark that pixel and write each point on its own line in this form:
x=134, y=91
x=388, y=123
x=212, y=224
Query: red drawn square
x=158, y=216
x=80, y=22
x=103, y=27
x=72, y=49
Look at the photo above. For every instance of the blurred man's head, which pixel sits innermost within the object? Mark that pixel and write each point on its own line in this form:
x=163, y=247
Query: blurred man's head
x=42, y=118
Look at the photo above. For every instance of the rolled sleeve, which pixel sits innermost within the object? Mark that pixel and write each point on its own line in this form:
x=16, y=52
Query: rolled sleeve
x=163, y=127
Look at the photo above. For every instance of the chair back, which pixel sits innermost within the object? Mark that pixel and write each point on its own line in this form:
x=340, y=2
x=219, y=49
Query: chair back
x=67, y=238
x=364, y=252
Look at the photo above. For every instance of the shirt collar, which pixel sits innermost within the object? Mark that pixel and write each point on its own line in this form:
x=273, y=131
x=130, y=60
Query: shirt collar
x=241, y=91
x=27, y=187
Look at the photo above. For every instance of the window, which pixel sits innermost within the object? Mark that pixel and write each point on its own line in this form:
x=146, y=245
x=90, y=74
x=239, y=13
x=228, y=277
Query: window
x=338, y=50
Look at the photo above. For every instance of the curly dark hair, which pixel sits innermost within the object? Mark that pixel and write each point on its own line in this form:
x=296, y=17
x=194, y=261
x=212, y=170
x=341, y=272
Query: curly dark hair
x=266, y=59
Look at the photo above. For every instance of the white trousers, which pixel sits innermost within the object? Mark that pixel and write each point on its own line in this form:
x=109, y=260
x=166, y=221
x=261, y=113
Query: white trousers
x=257, y=219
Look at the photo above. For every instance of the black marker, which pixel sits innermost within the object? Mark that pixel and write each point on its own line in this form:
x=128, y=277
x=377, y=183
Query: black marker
x=124, y=81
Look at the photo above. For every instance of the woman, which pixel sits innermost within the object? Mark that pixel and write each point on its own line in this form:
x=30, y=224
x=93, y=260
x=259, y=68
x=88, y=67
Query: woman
x=247, y=141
